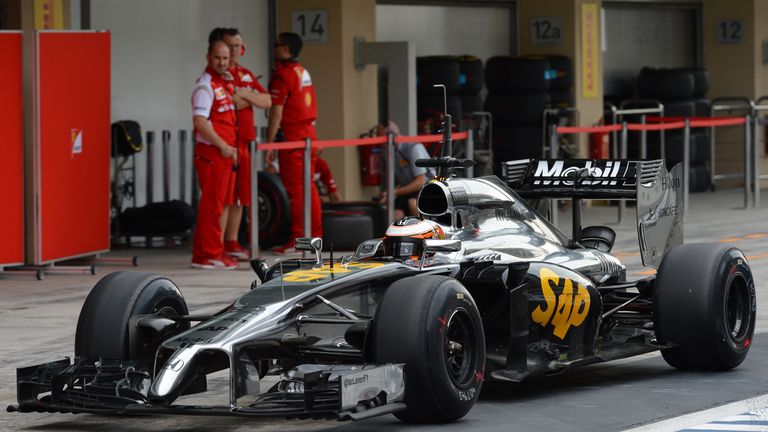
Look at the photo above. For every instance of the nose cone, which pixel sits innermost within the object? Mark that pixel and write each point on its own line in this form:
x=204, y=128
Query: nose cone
x=173, y=374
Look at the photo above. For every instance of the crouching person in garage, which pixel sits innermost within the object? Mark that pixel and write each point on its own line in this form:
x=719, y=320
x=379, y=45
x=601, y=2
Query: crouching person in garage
x=408, y=177
x=213, y=115
x=294, y=111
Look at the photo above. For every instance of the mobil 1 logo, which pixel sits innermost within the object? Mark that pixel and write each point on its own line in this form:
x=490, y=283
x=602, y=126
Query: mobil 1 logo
x=311, y=25
x=547, y=30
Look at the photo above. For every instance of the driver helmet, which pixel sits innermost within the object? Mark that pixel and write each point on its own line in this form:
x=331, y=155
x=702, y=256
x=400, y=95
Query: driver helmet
x=404, y=239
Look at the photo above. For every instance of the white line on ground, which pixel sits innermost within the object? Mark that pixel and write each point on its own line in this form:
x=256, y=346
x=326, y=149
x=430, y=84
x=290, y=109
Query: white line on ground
x=724, y=413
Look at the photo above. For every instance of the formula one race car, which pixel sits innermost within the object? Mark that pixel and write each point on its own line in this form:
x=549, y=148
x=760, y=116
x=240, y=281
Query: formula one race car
x=481, y=287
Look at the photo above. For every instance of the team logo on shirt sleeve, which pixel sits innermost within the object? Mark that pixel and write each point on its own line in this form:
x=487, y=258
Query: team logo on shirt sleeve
x=246, y=78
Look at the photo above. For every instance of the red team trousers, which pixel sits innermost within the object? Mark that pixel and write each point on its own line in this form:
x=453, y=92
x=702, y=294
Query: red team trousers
x=292, y=175
x=216, y=177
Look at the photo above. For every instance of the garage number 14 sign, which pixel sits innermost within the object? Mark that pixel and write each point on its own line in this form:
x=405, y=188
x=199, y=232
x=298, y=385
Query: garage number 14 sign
x=311, y=25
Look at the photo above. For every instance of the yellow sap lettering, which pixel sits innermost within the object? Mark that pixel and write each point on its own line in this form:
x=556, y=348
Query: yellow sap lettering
x=543, y=316
x=568, y=310
x=309, y=275
x=560, y=321
x=580, y=307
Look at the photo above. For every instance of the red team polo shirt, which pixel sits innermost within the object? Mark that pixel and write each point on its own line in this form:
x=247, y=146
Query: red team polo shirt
x=291, y=86
x=212, y=99
x=243, y=78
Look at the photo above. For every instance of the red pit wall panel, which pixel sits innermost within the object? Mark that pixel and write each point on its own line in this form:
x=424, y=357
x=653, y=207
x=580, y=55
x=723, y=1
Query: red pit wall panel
x=72, y=144
x=11, y=163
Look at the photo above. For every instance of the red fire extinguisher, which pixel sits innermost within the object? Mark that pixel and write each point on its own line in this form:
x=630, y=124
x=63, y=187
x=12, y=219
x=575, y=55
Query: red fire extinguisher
x=370, y=163
x=599, y=143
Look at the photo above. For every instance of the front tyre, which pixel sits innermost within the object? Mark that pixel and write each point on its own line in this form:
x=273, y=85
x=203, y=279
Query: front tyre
x=431, y=324
x=103, y=326
x=705, y=306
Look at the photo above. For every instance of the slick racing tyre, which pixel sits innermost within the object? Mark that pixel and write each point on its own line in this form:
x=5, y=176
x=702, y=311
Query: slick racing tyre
x=103, y=325
x=705, y=306
x=431, y=324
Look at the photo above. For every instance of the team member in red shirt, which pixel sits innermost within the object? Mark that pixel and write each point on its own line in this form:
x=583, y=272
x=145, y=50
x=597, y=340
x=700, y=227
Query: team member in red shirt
x=294, y=110
x=213, y=115
x=248, y=94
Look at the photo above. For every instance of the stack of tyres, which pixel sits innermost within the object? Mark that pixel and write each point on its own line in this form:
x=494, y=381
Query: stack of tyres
x=462, y=77
x=683, y=93
x=519, y=90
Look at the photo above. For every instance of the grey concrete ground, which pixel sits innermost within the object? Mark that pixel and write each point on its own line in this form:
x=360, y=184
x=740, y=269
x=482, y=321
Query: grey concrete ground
x=38, y=321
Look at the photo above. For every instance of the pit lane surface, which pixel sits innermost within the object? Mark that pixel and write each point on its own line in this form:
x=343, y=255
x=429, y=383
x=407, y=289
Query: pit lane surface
x=38, y=321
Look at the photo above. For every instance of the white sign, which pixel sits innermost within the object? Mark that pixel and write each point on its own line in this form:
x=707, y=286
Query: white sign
x=76, y=136
x=311, y=25
x=729, y=31
x=547, y=30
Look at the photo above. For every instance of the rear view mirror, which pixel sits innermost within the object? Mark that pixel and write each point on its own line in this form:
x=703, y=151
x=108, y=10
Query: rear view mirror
x=598, y=237
x=311, y=244
x=368, y=248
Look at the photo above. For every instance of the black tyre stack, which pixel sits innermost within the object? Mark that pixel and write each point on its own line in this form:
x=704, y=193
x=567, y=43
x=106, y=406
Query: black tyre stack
x=683, y=93
x=519, y=90
x=463, y=80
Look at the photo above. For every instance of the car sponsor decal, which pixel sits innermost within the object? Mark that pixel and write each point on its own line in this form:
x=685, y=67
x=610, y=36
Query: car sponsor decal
x=326, y=272
x=569, y=308
x=597, y=173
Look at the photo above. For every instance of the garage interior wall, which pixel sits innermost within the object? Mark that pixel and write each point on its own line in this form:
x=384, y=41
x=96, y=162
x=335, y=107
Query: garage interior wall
x=452, y=30
x=158, y=51
x=636, y=36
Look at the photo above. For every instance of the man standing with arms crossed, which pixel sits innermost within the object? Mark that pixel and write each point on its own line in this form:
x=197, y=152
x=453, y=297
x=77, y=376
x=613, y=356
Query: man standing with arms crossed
x=213, y=115
x=248, y=94
x=294, y=110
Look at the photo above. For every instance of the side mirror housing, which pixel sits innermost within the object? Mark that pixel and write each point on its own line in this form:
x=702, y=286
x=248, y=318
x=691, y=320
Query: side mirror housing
x=368, y=248
x=598, y=237
x=311, y=244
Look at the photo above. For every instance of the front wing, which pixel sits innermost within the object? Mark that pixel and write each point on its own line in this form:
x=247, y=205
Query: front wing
x=343, y=392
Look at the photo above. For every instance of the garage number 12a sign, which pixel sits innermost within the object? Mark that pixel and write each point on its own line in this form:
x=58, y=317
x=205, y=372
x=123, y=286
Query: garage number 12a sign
x=311, y=25
x=547, y=30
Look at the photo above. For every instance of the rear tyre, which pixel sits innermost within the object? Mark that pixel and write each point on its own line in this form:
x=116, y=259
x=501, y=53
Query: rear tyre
x=103, y=325
x=709, y=314
x=431, y=324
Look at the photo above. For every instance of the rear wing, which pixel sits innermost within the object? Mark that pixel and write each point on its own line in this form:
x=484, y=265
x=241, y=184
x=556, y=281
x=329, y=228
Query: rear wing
x=577, y=178
x=659, y=193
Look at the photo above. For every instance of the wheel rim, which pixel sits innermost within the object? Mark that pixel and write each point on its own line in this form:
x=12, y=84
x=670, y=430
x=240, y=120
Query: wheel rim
x=738, y=309
x=459, y=347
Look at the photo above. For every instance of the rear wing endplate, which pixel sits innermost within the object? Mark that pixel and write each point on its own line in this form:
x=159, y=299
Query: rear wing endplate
x=658, y=193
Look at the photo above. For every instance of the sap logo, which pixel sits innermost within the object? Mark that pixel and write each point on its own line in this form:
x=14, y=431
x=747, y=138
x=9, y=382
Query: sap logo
x=595, y=173
x=567, y=310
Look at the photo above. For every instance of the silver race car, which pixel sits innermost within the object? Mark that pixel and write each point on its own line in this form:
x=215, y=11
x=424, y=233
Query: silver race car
x=480, y=287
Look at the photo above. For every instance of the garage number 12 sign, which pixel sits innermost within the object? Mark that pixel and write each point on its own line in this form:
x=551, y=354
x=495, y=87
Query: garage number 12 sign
x=311, y=25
